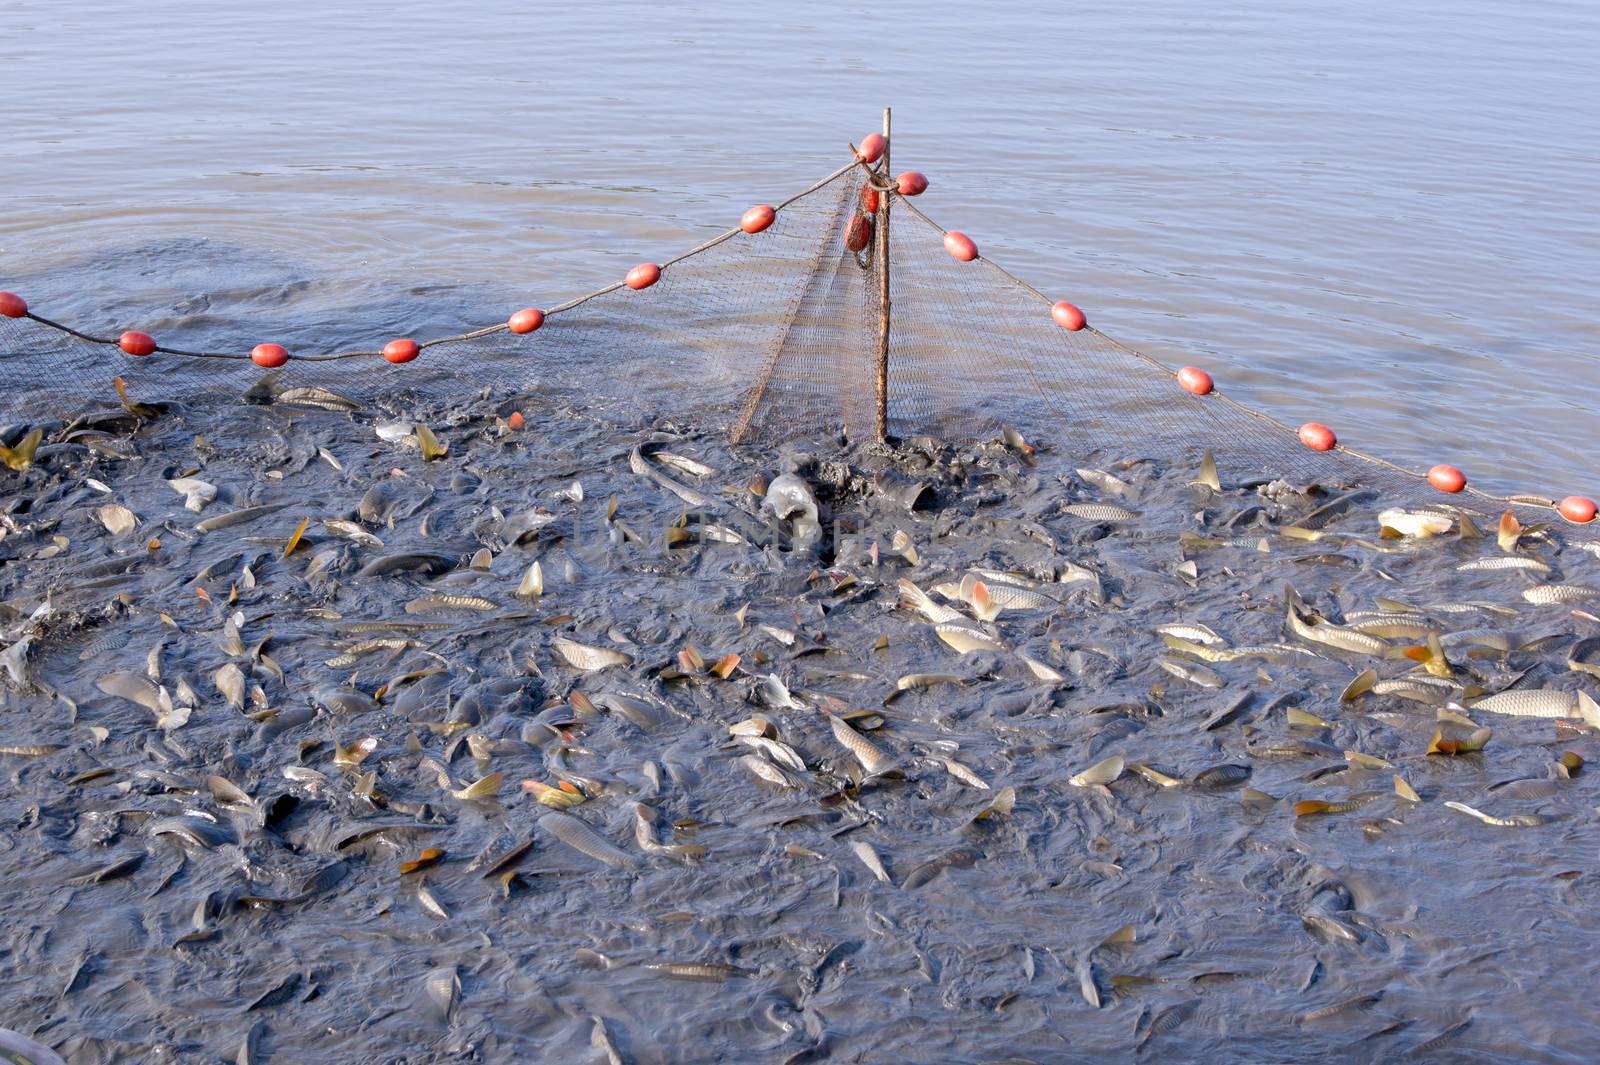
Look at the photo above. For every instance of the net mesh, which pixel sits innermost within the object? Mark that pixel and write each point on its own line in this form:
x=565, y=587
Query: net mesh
x=776, y=334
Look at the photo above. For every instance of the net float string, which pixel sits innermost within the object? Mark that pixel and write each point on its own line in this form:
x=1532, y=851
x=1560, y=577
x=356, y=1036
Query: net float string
x=1449, y=479
x=1576, y=509
x=140, y=344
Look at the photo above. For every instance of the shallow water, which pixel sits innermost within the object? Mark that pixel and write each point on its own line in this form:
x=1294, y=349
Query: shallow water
x=1380, y=219
x=291, y=924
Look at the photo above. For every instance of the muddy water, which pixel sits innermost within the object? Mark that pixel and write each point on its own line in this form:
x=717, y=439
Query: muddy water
x=154, y=913
x=1378, y=219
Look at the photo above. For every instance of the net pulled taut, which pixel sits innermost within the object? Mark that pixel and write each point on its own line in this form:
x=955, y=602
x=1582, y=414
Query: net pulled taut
x=776, y=333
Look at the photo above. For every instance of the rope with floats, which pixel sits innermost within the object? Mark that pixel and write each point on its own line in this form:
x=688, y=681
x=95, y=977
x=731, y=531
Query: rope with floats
x=1579, y=510
x=859, y=240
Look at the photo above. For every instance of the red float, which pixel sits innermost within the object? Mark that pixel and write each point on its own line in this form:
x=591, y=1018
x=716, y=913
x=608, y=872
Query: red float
x=858, y=232
x=757, y=218
x=516, y=421
x=869, y=199
x=1318, y=437
x=911, y=183
x=269, y=355
x=1068, y=317
x=1577, y=509
x=1447, y=478
x=12, y=305
x=872, y=146
x=643, y=276
x=960, y=246
x=526, y=320
x=1193, y=379
x=401, y=350
x=135, y=343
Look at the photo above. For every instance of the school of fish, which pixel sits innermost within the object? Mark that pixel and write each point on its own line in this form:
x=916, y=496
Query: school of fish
x=355, y=731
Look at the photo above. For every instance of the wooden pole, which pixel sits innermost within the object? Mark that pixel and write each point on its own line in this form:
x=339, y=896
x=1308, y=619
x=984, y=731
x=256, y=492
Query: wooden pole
x=883, y=289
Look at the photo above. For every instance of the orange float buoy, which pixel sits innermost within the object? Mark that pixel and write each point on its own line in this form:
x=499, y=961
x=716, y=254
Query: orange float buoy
x=1193, y=379
x=858, y=232
x=960, y=246
x=398, y=351
x=1068, y=317
x=136, y=343
x=757, y=218
x=643, y=276
x=269, y=355
x=1447, y=478
x=1577, y=509
x=1318, y=437
x=526, y=320
x=12, y=305
x=911, y=183
x=869, y=199
x=872, y=146
x=516, y=421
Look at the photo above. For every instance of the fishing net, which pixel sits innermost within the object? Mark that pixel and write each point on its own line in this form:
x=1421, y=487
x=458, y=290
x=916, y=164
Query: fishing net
x=774, y=334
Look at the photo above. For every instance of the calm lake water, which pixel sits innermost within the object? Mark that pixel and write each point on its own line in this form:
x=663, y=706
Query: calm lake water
x=1376, y=216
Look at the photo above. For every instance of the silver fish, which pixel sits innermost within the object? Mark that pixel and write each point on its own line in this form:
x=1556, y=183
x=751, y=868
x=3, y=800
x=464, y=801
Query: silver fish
x=873, y=758
x=589, y=659
x=870, y=859
x=583, y=839
x=238, y=517
x=1543, y=703
x=1098, y=512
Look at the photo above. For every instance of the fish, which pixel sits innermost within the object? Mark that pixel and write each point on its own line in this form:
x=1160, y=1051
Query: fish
x=1498, y=563
x=195, y=492
x=644, y=831
x=118, y=519
x=1102, y=772
x=915, y=598
x=1191, y=633
x=1550, y=594
x=316, y=396
x=486, y=788
x=1100, y=512
x=229, y=680
x=238, y=517
x=583, y=839
x=701, y=971
x=1166, y=1020
x=1413, y=525
x=966, y=637
x=432, y=447
x=1106, y=482
x=441, y=991
x=584, y=657
x=765, y=770
x=963, y=774
x=1514, y=821
x=532, y=584
x=1194, y=674
x=1040, y=670
x=431, y=603
x=1335, y=636
x=873, y=759
x=776, y=751
x=1154, y=776
x=1006, y=593
x=1544, y=702
x=1208, y=474
x=869, y=858
x=21, y=456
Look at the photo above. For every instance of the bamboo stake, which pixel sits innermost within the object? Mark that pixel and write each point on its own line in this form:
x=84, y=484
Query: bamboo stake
x=883, y=291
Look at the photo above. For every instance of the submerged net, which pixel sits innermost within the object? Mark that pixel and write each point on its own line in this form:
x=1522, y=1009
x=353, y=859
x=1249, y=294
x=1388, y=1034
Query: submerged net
x=774, y=334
